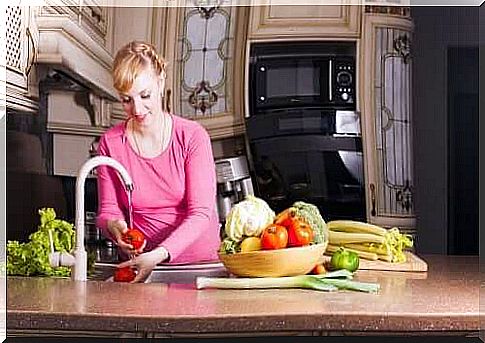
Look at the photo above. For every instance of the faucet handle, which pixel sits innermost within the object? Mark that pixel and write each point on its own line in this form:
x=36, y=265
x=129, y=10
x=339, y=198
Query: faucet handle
x=56, y=258
x=61, y=259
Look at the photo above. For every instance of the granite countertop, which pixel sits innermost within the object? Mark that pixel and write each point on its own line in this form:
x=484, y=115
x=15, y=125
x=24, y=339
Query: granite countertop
x=446, y=298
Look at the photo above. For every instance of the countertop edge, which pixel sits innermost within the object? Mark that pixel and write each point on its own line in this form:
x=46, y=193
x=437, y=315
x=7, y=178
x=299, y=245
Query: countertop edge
x=263, y=323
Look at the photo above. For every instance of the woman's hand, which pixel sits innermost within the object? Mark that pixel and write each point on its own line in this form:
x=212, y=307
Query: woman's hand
x=145, y=262
x=117, y=228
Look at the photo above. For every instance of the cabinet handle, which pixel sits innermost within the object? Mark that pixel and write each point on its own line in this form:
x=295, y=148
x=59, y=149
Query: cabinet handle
x=29, y=58
x=373, y=199
x=167, y=102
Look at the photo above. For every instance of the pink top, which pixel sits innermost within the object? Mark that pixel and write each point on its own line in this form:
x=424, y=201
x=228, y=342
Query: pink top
x=174, y=193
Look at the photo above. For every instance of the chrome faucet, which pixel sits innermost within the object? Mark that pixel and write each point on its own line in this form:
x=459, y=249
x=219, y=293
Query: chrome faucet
x=79, y=272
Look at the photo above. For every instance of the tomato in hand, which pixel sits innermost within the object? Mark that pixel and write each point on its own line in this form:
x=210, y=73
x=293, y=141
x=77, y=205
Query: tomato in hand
x=299, y=234
x=134, y=237
x=126, y=274
x=274, y=236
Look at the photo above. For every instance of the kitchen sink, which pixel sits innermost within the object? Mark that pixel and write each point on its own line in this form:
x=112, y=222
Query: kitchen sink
x=166, y=273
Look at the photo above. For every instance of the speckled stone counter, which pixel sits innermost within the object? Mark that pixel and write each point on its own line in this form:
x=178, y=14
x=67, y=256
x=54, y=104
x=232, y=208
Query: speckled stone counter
x=443, y=300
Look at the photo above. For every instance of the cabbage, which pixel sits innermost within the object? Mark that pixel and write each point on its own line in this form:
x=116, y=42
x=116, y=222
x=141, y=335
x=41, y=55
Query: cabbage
x=248, y=218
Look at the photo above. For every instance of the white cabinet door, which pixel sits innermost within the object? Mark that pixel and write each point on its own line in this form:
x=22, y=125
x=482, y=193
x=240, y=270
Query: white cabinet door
x=275, y=21
x=205, y=54
x=386, y=82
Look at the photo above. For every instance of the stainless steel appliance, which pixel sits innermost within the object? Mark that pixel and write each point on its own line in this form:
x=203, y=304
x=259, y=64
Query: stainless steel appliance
x=233, y=183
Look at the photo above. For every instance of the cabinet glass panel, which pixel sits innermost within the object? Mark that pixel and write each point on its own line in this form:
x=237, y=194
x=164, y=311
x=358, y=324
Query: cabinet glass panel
x=205, y=60
x=393, y=121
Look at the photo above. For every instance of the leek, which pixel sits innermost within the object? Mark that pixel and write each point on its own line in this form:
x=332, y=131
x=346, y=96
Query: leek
x=300, y=281
x=332, y=281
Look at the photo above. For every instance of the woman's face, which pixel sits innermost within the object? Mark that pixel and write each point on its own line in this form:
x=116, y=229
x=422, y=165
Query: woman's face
x=143, y=102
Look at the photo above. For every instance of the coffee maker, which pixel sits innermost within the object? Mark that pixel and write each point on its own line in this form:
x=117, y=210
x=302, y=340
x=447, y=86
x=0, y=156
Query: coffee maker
x=233, y=184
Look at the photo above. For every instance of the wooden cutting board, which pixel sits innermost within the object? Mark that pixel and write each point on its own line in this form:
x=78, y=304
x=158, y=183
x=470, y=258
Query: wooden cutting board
x=413, y=264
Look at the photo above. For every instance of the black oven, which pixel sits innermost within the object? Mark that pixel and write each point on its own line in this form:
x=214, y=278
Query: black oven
x=301, y=74
x=308, y=154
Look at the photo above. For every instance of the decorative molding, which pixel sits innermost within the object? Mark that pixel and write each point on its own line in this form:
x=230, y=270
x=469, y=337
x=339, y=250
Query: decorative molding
x=222, y=126
x=203, y=97
x=71, y=129
x=402, y=45
x=17, y=101
x=65, y=45
x=400, y=11
x=273, y=22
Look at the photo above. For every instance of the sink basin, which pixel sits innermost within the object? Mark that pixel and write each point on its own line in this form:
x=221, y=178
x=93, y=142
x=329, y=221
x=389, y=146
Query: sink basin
x=165, y=273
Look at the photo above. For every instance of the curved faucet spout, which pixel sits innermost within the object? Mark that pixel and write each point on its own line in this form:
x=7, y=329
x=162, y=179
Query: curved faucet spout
x=79, y=272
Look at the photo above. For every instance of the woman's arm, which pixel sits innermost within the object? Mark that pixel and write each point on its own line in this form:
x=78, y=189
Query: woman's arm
x=200, y=180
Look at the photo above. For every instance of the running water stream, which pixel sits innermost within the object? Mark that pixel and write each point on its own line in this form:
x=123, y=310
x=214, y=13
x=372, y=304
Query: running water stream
x=130, y=208
x=130, y=212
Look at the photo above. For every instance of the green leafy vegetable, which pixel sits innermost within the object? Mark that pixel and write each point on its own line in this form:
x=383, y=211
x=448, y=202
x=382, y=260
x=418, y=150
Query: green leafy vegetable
x=32, y=258
x=248, y=218
x=230, y=246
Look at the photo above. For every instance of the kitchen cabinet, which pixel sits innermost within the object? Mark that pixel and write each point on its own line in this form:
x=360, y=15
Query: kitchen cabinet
x=74, y=75
x=386, y=115
x=305, y=21
x=21, y=48
x=205, y=77
x=75, y=118
x=89, y=15
x=73, y=38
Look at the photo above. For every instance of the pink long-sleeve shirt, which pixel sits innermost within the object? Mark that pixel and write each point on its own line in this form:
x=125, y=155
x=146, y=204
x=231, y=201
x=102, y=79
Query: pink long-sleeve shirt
x=174, y=193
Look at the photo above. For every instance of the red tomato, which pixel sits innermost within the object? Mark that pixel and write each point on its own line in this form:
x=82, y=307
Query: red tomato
x=274, y=237
x=285, y=217
x=126, y=274
x=134, y=237
x=299, y=234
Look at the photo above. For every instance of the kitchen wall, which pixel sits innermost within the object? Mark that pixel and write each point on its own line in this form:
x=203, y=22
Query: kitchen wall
x=436, y=29
x=28, y=186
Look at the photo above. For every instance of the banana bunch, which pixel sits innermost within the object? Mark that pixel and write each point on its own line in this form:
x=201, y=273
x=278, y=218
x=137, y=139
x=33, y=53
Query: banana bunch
x=369, y=241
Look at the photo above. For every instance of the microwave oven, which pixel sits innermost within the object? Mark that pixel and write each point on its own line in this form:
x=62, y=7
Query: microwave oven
x=301, y=74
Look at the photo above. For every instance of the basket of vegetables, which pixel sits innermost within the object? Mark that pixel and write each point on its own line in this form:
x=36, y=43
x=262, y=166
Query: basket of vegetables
x=259, y=243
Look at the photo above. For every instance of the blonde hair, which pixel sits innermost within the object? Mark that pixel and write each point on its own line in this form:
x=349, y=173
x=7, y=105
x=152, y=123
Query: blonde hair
x=131, y=59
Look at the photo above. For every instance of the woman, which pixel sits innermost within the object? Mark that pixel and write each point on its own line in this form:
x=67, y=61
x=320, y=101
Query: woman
x=171, y=163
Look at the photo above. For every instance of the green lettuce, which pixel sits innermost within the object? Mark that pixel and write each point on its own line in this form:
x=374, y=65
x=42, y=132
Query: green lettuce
x=32, y=258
